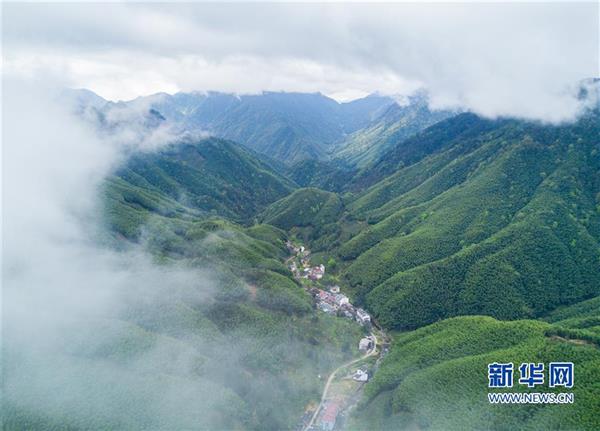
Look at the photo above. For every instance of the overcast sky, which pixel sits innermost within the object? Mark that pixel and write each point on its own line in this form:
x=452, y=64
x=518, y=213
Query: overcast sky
x=507, y=59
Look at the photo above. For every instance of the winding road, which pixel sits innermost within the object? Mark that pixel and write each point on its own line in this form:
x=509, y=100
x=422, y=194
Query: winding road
x=372, y=352
x=332, y=376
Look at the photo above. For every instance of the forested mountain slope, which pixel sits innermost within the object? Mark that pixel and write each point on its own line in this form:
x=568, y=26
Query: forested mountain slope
x=333, y=176
x=469, y=217
x=435, y=378
x=406, y=153
x=396, y=124
x=218, y=336
x=286, y=126
x=259, y=336
x=304, y=207
x=212, y=176
x=484, y=219
x=495, y=217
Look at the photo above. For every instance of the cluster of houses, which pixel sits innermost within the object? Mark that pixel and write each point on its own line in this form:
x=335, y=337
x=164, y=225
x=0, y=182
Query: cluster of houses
x=314, y=273
x=330, y=301
x=305, y=270
x=334, y=302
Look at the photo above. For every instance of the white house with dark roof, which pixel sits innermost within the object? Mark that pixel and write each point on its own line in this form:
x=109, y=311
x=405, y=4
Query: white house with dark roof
x=362, y=316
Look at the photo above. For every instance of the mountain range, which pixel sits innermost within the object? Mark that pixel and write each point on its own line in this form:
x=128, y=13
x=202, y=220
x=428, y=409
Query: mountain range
x=472, y=240
x=288, y=127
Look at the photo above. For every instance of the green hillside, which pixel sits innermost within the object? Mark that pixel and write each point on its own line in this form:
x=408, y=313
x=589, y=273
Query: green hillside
x=304, y=207
x=587, y=308
x=286, y=126
x=435, y=378
x=580, y=321
x=310, y=214
x=396, y=124
x=471, y=217
x=259, y=306
x=211, y=176
x=442, y=135
x=497, y=217
x=332, y=176
x=224, y=318
x=289, y=127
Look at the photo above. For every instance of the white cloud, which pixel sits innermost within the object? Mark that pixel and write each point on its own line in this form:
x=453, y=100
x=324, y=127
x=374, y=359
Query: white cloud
x=496, y=59
x=66, y=297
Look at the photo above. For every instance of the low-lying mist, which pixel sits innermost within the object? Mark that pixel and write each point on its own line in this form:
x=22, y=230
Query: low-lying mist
x=100, y=338
x=64, y=294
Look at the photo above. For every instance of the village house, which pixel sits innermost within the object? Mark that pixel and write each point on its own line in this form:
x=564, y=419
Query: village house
x=313, y=276
x=347, y=311
x=326, y=297
x=362, y=316
x=334, y=289
x=329, y=416
x=360, y=376
x=341, y=299
x=327, y=308
x=365, y=344
x=349, y=307
x=316, y=272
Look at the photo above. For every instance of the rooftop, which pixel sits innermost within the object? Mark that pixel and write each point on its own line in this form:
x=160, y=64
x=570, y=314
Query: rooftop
x=331, y=411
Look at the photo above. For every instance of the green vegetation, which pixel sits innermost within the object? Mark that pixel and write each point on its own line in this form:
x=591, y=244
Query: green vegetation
x=212, y=176
x=469, y=217
x=281, y=344
x=331, y=176
x=237, y=327
x=502, y=221
x=311, y=215
x=398, y=123
x=436, y=377
x=587, y=308
x=304, y=207
x=580, y=321
x=289, y=127
x=474, y=217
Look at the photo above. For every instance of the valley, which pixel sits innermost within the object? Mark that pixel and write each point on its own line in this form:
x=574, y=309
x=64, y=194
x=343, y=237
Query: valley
x=300, y=216
x=350, y=293
x=459, y=242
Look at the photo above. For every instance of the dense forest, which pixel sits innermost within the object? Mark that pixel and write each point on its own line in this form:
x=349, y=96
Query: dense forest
x=471, y=217
x=224, y=318
x=472, y=240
